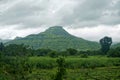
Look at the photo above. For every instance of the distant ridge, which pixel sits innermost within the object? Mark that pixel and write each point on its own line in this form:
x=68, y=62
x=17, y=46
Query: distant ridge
x=56, y=38
x=4, y=40
x=116, y=45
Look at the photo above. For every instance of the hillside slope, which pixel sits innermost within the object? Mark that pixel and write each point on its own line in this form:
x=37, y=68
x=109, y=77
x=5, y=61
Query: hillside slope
x=56, y=38
x=116, y=45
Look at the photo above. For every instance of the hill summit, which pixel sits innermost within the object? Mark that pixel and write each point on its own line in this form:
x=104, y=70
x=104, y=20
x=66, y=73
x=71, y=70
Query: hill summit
x=56, y=38
x=57, y=30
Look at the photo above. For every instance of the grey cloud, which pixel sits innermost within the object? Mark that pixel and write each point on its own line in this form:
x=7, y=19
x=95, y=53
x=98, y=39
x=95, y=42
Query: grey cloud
x=79, y=13
x=90, y=13
x=21, y=13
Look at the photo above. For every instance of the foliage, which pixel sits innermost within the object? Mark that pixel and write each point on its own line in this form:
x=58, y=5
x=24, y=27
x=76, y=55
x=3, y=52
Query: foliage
x=20, y=62
x=36, y=68
x=63, y=53
x=41, y=52
x=90, y=52
x=61, y=69
x=15, y=68
x=84, y=56
x=105, y=44
x=114, y=52
x=53, y=54
x=16, y=50
x=72, y=51
x=116, y=45
x=74, y=62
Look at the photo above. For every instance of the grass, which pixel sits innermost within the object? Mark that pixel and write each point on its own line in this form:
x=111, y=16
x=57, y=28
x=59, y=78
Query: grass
x=104, y=73
x=91, y=68
x=75, y=62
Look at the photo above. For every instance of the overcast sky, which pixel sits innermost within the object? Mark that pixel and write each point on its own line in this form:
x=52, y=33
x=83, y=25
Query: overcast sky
x=89, y=19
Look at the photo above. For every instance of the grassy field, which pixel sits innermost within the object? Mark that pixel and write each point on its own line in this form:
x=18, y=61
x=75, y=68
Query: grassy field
x=75, y=62
x=104, y=73
x=91, y=68
x=77, y=68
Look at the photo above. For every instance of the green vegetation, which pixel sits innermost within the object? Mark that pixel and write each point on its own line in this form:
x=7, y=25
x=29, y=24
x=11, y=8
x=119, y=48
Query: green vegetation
x=45, y=68
x=114, y=52
x=21, y=62
x=105, y=44
x=116, y=45
x=61, y=69
x=75, y=62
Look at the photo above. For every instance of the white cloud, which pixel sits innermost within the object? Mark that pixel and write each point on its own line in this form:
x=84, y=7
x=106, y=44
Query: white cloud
x=96, y=33
x=11, y=32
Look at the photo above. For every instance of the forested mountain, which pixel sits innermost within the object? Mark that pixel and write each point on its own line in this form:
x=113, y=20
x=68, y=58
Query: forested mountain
x=56, y=38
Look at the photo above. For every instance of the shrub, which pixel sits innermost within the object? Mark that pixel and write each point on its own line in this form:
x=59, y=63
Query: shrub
x=84, y=55
x=61, y=69
x=114, y=53
x=53, y=54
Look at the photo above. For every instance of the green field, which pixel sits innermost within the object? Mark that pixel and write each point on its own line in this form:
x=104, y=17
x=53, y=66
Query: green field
x=76, y=62
x=17, y=62
x=77, y=68
x=92, y=68
x=104, y=73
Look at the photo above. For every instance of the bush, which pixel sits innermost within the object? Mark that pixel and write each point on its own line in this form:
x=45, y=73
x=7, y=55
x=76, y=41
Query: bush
x=84, y=55
x=114, y=53
x=72, y=51
x=53, y=54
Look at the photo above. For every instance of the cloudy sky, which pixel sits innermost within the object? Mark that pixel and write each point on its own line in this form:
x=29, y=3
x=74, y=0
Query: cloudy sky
x=89, y=19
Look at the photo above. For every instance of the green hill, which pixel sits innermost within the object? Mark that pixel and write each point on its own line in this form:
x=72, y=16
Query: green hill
x=116, y=45
x=56, y=38
x=4, y=41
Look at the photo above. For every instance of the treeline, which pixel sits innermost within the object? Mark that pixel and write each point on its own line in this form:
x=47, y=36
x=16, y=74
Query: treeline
x=22, y=50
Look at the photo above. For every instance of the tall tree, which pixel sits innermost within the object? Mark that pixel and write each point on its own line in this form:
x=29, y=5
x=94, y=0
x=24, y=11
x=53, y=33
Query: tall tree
x=105, y=44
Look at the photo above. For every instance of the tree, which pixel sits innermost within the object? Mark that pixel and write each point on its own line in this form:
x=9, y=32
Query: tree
x=105, y=44
x=114, y=52
x=17, y=68
x=61, y=69
x=53, y=54
x=84, y=55
x=16, y=50
x=42, y=52
x=72, y=51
